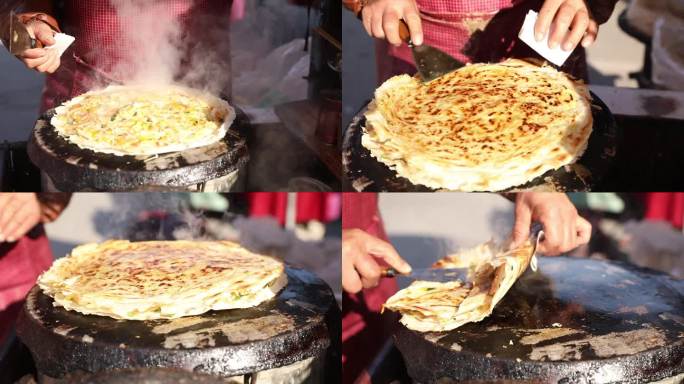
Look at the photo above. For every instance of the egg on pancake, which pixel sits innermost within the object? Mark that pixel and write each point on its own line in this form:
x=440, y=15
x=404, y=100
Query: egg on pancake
x=143, y=121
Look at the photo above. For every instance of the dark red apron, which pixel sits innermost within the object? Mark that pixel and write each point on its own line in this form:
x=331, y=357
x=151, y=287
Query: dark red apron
x=20, y=265
x=101, y=52
x=483, y=31
x=364, y=329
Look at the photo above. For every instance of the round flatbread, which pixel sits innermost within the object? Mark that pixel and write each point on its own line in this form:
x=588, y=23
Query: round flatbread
x=483, y=127
x=143, y=121
x=161, y=279
x=428, y=306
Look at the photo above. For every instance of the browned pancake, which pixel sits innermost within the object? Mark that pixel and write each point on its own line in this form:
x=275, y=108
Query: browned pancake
x=484, y=127
x=161, y=279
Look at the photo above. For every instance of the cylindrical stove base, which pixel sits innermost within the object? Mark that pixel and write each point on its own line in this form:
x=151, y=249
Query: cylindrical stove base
x=307, y=371
x=232, y=182
x=290, y=335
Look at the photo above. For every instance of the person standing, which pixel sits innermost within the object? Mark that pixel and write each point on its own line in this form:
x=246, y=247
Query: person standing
x=481, y=30
x=116, y=39
x=24, y=248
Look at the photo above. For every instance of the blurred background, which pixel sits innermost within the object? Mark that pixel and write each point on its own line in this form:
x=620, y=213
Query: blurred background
x=643, y=229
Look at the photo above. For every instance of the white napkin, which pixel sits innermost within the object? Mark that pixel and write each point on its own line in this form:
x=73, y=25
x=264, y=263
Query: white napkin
x=62, y=42
x=526, y=34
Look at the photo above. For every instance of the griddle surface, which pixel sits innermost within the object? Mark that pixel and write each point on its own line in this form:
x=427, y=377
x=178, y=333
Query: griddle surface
x=72, y=168
x=284, y=330
x=145, y=376
x=364, y=173
x=578, y=320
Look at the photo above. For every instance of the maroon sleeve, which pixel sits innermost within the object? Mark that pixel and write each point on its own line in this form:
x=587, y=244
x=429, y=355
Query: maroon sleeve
x=601, y=9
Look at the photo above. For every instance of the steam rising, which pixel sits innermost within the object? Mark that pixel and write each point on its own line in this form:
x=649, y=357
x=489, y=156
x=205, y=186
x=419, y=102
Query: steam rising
x=158, y=46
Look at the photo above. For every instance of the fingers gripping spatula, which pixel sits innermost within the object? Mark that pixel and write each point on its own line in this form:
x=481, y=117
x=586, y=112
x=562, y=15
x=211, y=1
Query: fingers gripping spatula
x=430, y=61
x=441, y=275
x=14, y=35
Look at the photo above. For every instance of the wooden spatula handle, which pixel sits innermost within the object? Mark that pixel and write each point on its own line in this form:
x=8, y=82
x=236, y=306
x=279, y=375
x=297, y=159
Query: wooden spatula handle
x=404, y=33
x=356, y=6
x=389, y=272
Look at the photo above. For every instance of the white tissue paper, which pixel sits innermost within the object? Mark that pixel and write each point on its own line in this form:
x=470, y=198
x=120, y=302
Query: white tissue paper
x=556, y=55
x=62, y=43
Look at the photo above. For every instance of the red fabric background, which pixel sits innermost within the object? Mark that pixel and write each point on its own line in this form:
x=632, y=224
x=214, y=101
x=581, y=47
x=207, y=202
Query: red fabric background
x=665, y=206
x=20, y=265
x=364, y=329
x=310, y=205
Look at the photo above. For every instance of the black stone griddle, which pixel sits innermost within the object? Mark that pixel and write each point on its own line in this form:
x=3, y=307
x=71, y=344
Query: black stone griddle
x=364, y=173
x=301, y=322
x=144, y=376
x=72, y=168
x=573, y=321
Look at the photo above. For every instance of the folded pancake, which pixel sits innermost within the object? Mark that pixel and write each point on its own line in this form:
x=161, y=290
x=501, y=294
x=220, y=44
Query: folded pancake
x=143, y=120
x=161, y=279
x=442, y=306
x=483, y=127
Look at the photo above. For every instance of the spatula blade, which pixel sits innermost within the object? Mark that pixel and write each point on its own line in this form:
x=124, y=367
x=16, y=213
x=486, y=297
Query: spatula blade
x=432, y=62
x=14, y=35
x=440, y=275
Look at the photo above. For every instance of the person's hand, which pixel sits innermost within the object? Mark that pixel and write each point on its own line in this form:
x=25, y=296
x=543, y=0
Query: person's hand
x=564, y=229
x=381, y=20
x=41, y=59
x=567, y=22
x=360, y=268
x=19, y=212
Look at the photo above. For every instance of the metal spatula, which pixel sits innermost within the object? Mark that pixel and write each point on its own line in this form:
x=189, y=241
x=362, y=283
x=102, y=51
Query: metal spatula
x=536, y=234
x=430, y=61
x=430, y=274
x=15, y=36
